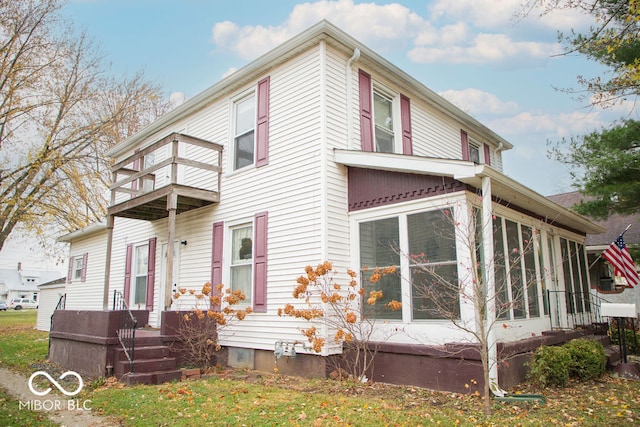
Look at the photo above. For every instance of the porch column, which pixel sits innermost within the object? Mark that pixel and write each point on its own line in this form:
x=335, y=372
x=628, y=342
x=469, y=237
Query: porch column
x=107, y=266
x=172, y=206
x=490, y=282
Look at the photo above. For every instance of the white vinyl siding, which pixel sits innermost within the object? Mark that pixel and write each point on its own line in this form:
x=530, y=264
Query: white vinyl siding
x=303, y=190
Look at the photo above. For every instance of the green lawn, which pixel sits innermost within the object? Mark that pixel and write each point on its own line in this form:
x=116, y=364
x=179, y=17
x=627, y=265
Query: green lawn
x=250, y=398
x=21, y=346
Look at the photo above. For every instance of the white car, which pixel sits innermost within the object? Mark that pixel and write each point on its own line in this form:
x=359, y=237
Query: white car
x=20, y=303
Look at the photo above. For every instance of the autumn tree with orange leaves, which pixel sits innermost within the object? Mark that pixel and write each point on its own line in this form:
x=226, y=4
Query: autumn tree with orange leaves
x=340, y=308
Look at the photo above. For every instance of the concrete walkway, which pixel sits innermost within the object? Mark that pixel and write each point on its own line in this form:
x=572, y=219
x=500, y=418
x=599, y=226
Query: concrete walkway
x=58, y=409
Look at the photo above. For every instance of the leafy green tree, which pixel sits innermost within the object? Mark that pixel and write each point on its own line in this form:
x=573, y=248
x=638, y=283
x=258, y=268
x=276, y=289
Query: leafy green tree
x=605, y=165
x=612, y=40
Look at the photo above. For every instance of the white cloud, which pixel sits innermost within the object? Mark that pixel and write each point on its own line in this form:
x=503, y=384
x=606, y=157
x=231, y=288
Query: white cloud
x=483, y=13
x=483, y=48
x=475, y=101
x=503, y=14
x=381, y=26
x=449, y=35
x=547, y=126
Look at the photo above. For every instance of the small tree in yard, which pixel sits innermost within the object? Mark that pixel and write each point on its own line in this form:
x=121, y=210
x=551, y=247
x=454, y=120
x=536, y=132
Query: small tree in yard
x=444, y=282
x=199, y=328
x=340, y=308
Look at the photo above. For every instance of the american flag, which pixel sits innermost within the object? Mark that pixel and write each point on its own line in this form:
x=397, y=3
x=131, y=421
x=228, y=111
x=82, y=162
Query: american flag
x=618, y=255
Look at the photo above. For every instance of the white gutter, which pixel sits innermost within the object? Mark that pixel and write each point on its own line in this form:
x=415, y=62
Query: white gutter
x=349, y=103
x=85, y=232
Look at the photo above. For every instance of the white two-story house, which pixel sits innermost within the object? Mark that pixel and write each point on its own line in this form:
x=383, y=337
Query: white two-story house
x=323, y=150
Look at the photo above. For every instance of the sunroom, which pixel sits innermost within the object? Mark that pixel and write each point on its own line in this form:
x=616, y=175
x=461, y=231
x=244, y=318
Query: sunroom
x=471, y=248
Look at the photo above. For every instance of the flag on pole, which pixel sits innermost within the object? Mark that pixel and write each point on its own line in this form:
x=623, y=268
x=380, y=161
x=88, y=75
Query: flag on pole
x=618, y=255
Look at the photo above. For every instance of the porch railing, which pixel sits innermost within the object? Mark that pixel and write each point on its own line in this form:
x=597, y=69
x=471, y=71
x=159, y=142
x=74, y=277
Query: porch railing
x=62, y=301
x=581, y=309
x=126, y=327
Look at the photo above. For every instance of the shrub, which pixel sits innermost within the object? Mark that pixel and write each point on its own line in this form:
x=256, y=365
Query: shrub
x=581, y=359
x=588, y=360
x=550, y=367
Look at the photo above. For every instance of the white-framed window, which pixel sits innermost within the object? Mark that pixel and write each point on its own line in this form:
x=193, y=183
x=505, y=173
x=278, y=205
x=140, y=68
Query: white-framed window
x=428, y=235
x=518, y=257
x=244, y=144
x=475, y=153
x=386, y=120
x=383, y=119
x=77, y=267
x=241, y=267
x=140, y=274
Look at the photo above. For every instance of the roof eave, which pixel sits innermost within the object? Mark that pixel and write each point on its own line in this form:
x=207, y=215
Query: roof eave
x=322, y=30
x=469, y=173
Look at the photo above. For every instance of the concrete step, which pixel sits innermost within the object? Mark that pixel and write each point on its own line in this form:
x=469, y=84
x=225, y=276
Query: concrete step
x=145, y=352
x=149, y=365
x=153, y=377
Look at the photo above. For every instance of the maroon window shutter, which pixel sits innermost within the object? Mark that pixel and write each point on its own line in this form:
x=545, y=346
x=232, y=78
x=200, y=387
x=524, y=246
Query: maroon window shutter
x=260, y=263
x=405, y=118
x=262, y=125
x=216, y=256
x=85, y=258
x=70, y=270
x=366, y=111
x=151, y=273
x=127, y=272
x=216, y=253
x=464, y=140
x=487, y=155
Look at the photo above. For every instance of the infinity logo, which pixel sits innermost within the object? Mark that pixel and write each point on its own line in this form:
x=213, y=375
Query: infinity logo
x=54, y=382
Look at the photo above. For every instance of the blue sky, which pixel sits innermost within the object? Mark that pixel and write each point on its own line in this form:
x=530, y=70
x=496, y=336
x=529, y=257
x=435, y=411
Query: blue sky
x=482, y=55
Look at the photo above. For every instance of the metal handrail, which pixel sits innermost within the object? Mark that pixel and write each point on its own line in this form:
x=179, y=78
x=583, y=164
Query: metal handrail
x=127, y=324
x=581, y=308
x=62, y=301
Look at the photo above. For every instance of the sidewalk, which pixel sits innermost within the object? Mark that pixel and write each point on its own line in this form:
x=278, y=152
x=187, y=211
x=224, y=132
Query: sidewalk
x=18, y=386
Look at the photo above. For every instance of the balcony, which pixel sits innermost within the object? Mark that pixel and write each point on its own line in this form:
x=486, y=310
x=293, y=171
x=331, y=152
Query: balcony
x=178, y=172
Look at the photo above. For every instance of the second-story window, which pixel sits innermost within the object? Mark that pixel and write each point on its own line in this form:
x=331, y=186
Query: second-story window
x=77, y=269
x=383, y=121
x=244, y=132
x=474, y=153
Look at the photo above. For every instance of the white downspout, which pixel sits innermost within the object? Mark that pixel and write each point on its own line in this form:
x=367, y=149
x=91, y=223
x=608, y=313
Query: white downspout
x=490, y=277
x=349, y=103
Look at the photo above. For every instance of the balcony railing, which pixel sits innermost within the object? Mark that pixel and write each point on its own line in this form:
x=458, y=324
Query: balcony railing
x=178, y=171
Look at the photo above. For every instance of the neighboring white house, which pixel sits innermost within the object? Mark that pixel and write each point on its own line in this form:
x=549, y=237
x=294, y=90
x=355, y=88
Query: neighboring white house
x=23, y=283
x=49, y=296
x=322, y=150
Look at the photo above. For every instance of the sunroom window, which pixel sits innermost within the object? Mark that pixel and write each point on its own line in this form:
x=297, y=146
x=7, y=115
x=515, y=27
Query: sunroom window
x=379, y=248
x=434, y=276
